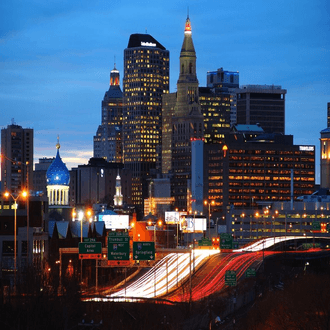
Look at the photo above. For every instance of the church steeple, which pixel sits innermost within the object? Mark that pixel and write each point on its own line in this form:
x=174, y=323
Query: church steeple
x=187, y=85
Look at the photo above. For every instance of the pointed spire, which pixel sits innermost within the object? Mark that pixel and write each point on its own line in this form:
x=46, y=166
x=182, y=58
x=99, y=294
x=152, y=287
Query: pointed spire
x=58, y=146
x=187, y=29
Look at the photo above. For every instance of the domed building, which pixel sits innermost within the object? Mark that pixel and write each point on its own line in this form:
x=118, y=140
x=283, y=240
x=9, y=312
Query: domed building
x=58, y=179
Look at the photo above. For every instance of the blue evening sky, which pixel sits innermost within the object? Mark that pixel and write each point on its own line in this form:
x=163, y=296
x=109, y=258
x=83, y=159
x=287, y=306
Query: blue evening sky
x=56, y=57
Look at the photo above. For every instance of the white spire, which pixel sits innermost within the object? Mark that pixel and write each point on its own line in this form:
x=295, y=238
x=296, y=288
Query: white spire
x=118, y=198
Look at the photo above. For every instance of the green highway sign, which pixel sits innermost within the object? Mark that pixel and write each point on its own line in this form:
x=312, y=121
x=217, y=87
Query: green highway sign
x=205, y=242
x=226, y=241
x=230, y=278
x=90, y=248
x=143, y=251
x=250, y=272
x=316, y=225
x=118, y=246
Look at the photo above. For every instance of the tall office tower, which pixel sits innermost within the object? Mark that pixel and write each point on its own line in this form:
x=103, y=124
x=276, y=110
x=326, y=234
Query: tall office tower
x=325, y=158
x=146, y=78
x=108, y=141
x=184, y=123
x=215, y=106
x=328, y=114
x=17, y=158
x=262, y=104
x=225, y=82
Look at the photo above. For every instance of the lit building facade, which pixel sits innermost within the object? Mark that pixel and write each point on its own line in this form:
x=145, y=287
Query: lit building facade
x=108, y=138
x=225, y=82
x=17, y=158
x=216, y=109
x=262, y=104
x=146, y=78
x=184, y=122
x=244, y=172
x=325, y=158
x=280, y=219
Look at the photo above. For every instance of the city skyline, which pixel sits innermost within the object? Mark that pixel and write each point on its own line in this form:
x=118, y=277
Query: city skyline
x=56, y=61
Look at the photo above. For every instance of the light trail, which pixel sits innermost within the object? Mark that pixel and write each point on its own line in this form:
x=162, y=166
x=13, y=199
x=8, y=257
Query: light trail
x=266, y=243
x=171, y=271
x=164, y=276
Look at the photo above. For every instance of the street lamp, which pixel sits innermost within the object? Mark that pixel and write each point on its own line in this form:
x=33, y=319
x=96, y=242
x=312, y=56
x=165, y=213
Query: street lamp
x=80, y=218
x=209, y=203
x=24, y=194
x=27, y=165
x=159, y=223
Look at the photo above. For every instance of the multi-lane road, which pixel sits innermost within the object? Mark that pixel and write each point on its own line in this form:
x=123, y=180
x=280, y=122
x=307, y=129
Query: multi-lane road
x=193, y=275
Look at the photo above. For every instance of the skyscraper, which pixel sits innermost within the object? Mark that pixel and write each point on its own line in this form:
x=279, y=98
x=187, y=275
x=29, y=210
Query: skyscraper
x=17, y=158
x=215, y=106
x=107, y=141
x=262, y=104
x=146, y=78
x=182, y=123
x=225, y=83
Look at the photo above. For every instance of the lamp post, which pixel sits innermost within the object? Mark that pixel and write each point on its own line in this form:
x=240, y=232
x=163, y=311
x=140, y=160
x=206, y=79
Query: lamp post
x=24, y=195
x=80, y=218
x=159, y=223
x=26, y=164
x=209, y=203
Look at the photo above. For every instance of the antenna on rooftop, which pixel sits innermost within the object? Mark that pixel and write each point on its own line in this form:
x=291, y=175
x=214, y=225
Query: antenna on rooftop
x=146, y=31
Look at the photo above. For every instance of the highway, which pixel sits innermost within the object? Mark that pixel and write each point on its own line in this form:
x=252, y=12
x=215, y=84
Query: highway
x=194, y=275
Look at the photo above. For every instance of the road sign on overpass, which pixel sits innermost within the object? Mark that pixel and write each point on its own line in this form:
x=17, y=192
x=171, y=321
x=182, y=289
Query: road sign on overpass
x=143, y=251
x=118, y=248
x=226, y=241
x=90, y=249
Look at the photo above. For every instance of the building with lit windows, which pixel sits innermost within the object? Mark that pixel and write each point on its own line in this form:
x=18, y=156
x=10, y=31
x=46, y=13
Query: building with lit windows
x=108, y=141
x=328, y=114
x=225, y=82
x=262, y=104
x=184, y=121
x=325, y=158
x=280, y=219
x=146, y=78
x=16, y=158
x=254, y=167
x=216, y=109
